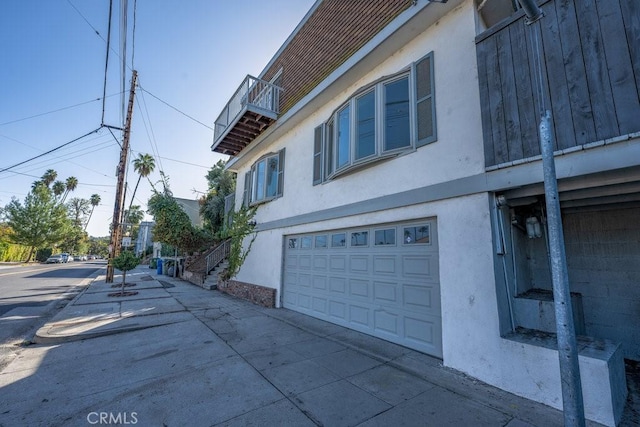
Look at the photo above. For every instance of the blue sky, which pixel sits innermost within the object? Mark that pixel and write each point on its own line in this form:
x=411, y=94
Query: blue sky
x=192, y=54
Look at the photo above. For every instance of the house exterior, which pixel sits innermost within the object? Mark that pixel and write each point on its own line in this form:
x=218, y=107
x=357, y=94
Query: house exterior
x=392, y=150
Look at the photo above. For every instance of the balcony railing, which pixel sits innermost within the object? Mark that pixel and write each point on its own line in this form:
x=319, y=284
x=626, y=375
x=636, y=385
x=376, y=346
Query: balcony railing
x=252, y=108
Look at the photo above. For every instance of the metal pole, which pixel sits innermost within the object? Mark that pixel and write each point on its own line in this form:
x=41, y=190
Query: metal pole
x=572, y=403
x=116, y=224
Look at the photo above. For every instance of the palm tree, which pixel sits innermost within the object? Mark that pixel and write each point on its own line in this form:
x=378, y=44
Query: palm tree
x=71, y=184
x=144, y=165
x=58, y=188
x=95, y=201
x=49, y=176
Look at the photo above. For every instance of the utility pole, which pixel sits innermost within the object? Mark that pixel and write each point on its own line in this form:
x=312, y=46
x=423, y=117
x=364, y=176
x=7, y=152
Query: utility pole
x=116, y=224
x=572, y=399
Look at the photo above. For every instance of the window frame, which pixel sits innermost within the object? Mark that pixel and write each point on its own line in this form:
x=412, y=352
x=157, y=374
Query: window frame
x=252, y=179
x=326, y=153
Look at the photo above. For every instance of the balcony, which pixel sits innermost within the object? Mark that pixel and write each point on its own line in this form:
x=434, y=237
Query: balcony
x=252, y=108
x=587, y=78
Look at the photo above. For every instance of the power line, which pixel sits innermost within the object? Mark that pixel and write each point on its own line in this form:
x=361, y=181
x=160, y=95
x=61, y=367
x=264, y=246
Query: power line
x=49, y=112
x=50, y=151
x=179, y=111
x=106, y=62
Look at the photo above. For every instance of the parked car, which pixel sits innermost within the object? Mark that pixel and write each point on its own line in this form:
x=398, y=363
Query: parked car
x=55, y=259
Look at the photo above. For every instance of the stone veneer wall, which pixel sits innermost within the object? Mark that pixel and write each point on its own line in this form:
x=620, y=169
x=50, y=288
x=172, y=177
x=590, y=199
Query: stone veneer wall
x=259, y=295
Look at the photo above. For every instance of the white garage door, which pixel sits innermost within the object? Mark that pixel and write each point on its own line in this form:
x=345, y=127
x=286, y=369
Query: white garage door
x=381, y=280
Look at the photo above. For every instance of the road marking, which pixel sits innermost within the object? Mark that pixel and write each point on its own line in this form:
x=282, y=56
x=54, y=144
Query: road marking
x=26, y=271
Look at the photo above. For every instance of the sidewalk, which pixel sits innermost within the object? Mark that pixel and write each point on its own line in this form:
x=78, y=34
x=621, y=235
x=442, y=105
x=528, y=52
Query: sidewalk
x=175, y=354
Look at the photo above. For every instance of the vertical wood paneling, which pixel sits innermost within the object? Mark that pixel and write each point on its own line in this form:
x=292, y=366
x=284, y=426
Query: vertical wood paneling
x=580, y=105
x=496, y=105
x=631, y=16
x=600, y=95
x=510, y=102
x=524, y=92
x=481, y=53
x=554, y=62
x=627, y=106
x=590, y=77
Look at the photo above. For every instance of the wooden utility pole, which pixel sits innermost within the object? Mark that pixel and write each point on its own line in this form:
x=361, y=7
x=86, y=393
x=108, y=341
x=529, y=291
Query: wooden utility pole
x=116, y=224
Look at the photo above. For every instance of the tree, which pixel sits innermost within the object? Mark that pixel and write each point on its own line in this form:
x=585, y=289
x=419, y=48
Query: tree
x=124, y=262
x=221, y=184
x=78, y=209
x=95, y=201
x=76, y=240
x=144, y=165
x=172, y=224
x=39, y=222
x=70, y=185
x=49, y=176
x=58, y=188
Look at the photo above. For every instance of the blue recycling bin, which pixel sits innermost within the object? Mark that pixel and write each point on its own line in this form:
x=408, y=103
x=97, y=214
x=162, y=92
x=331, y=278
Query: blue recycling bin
x=159, y=270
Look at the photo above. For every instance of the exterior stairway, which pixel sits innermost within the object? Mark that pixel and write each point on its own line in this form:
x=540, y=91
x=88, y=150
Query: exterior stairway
x=204, y=270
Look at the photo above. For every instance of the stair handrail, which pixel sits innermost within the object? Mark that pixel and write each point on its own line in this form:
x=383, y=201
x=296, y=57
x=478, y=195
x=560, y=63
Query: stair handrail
x=218, y=255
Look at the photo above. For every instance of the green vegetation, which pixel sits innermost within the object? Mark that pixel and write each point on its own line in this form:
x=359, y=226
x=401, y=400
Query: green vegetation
x=172, y=224
x=43, y=224
x=241, y=227
x=124, y=262
x=221, y=183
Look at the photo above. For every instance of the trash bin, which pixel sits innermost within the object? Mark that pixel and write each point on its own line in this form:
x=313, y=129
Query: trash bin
x=159, y=270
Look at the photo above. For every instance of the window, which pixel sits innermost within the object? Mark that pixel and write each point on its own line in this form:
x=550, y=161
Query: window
x=338, y=240
x=365, y=125
x=264, y=181
x=417, y=234
x=360, y=238
x=321, y=241
x=385, y=237
x=305, y=242
x=396, y=115
x=392, y=116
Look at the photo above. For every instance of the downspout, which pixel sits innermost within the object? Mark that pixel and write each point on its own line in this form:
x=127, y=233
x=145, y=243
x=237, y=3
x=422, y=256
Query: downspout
x=572, y=399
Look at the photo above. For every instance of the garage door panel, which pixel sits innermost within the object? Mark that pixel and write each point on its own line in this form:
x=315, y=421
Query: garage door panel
x=291, y=261
x=319, y=282
x=304, y=262
x=424, y=332
x=338, y=310
x=319, y=305
x=359, y=289
x=385, y=292
x=386, y=322
x=304, y=301
x=385, y=264
x=338, y=285
x=338, y=263
x=420, y=297
x=320, y=263
x=304, y=280
x=359, y=264
x=359, y=315
x=388, y=290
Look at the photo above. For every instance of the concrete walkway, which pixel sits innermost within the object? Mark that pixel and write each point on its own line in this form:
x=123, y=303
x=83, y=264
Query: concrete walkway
x=175, y=355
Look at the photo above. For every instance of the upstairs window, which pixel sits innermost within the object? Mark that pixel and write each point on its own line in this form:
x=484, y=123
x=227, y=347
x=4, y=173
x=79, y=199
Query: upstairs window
x=390, y=117
x=265, y=180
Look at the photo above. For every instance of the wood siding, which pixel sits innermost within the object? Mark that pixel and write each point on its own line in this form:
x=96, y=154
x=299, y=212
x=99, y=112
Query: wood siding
x=590, y=77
